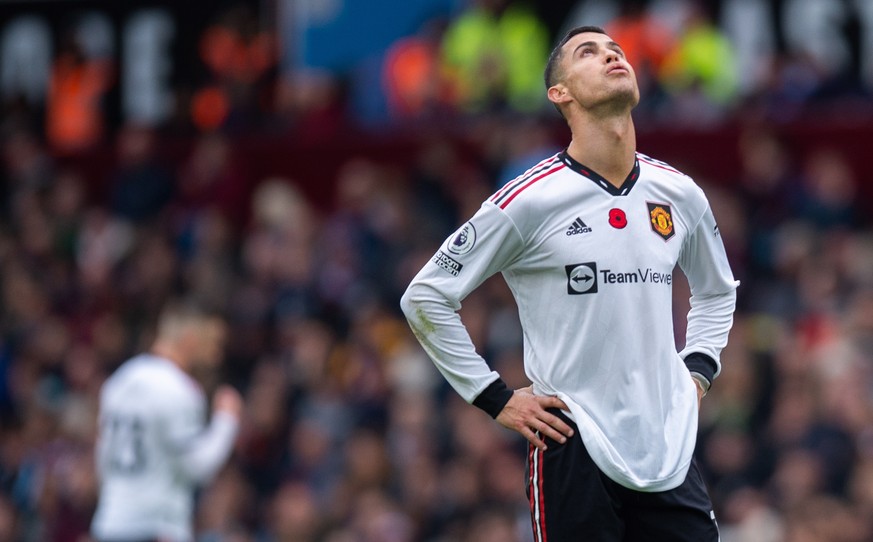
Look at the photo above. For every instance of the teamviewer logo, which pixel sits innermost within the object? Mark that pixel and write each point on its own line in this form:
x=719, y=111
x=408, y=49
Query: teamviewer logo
x=581, y=278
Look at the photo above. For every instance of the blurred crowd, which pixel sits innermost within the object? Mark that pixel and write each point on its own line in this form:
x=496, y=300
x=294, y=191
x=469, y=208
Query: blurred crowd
x=349, y=434
x=700, y=63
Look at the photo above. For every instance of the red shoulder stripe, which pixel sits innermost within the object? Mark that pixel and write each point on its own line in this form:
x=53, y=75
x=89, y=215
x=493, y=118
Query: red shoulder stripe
x=511, y=185
x=660, y=165
x=508, y=200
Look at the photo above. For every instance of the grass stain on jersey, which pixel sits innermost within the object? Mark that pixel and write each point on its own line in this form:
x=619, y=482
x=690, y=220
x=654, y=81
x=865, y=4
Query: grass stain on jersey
x=421, y=331
x=426, y=325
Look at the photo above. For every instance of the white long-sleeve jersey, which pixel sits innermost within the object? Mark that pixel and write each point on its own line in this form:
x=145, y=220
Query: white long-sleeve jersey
x=591, y=270
x=154, y=447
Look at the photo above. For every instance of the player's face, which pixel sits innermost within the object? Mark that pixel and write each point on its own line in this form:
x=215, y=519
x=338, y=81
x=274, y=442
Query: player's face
x=594, y=73
x=209, y=339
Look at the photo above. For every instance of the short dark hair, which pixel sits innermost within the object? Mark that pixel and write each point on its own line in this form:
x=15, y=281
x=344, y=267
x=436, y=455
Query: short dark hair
x=178, y=313
x=550, y=75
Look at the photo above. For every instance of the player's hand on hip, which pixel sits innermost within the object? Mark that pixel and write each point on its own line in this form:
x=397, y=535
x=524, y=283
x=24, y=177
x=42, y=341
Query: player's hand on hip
x=526, y=413
x=227, y=400
x=700, y=391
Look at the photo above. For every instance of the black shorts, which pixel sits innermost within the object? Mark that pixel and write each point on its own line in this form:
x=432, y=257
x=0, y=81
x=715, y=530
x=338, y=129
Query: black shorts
x=571, y=500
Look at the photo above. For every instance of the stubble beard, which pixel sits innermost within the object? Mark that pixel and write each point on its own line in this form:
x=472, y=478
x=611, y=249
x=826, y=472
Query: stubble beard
x=618, y=100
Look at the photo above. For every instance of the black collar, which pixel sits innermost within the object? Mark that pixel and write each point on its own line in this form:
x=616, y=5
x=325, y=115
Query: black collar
x=598, y=179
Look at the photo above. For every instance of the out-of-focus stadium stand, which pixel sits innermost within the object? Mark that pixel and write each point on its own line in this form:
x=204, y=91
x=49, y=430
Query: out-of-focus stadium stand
x=295, y=162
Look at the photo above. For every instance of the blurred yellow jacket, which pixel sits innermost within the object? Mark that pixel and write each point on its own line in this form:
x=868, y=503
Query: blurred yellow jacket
x=491, y=58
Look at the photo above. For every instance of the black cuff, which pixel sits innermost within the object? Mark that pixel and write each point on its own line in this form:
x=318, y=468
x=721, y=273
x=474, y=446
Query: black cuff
x=701, y=364
x=493, y=398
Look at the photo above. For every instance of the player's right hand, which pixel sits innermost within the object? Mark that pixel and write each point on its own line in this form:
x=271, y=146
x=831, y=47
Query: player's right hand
x=228, y=401
x=526, y=413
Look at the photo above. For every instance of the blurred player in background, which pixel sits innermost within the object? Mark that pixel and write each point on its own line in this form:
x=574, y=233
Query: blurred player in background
x=154, y=445
x=587, y=241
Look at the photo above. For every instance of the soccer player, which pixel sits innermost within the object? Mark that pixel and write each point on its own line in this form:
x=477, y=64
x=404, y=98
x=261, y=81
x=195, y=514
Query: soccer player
x=587, y=241
x=154, y=446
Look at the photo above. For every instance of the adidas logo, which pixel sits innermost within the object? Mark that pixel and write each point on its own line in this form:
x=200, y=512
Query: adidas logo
x=578, y=227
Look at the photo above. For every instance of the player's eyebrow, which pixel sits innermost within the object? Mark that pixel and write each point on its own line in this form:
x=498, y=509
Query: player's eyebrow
x=609, y=45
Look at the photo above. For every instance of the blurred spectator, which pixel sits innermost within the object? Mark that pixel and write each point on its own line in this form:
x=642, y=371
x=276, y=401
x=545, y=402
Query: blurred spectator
x=361, y=241
x=239, y=53
x=749, y=518
x=28, y=170
x=311, y=103
x=494, y=54
x=765, y=186
x=211, y=180
x=141, y=187
x=9, y=522
x=225, y=507
x=69, y=487
x=411, y=76
x=821, y=519
x=435, y=191
x=701, y=71
x=791, y=84
x=827, y=196
x=102, y=243
x=294, y=515
x=74, y=109
x=66, y=206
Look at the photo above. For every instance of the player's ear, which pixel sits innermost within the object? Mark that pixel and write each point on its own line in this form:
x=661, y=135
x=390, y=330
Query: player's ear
x=558, y=94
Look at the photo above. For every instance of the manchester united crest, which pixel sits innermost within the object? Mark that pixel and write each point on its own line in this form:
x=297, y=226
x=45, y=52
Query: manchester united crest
x=661, y=219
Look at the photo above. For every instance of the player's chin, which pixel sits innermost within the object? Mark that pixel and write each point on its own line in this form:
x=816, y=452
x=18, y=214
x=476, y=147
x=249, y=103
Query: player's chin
x=627, y=95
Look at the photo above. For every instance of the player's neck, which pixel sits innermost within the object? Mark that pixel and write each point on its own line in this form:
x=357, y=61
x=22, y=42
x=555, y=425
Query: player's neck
x=168, y=351
x=605, y=144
